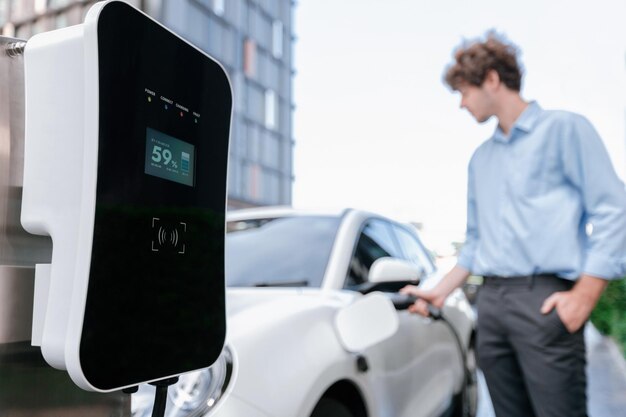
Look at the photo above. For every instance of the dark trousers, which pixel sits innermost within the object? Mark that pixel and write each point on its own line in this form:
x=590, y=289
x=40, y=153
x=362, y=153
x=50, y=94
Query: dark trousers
x=533, y=366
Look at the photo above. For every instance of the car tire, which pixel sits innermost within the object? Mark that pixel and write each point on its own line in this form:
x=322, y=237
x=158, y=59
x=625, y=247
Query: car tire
x=330, y=407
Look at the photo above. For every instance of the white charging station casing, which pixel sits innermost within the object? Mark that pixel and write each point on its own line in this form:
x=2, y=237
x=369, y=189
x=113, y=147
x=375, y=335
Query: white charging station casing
x=60, y=178
x=61, y=72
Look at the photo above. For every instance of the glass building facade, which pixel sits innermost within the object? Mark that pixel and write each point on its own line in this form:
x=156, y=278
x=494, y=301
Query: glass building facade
x=254, y=41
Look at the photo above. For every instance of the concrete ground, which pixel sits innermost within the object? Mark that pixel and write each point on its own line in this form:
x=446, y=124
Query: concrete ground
x=606, y=372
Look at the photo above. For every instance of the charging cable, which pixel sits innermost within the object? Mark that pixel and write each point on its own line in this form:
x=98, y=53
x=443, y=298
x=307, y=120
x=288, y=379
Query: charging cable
x=160, y=395
x=403, y=301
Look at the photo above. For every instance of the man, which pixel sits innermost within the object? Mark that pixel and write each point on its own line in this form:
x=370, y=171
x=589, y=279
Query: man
x=536, y=189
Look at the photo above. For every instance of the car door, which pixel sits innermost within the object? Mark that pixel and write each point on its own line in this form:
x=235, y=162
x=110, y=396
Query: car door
x=441, y=375
x=407, y=371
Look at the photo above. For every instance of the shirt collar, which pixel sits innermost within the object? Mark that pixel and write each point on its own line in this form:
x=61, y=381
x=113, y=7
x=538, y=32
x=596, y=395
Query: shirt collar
x=525, y=123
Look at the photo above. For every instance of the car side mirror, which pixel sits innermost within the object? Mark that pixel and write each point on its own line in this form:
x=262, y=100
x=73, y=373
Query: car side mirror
x=390, y=275
x=367, y=321
x=394, y=270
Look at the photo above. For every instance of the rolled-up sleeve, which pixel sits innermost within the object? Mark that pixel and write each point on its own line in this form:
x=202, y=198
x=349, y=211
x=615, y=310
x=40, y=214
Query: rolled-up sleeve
x=468, y=252
x=588, y=168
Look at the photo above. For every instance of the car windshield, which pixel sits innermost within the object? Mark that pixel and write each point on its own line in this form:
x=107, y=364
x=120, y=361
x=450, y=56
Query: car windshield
x=284, y=251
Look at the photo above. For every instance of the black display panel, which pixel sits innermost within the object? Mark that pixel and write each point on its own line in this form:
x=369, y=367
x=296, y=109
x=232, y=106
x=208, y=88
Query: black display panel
x=169, y=158
x=155, y=303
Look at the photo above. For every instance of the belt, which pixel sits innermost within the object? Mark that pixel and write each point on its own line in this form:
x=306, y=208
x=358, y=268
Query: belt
x=520, y=279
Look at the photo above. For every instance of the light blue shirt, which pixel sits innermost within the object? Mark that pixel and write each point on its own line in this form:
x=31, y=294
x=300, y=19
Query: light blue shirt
x=531, y=195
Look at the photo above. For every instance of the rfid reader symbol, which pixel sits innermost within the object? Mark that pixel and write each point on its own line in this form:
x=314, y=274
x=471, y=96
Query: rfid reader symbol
x=168, y=237
x=163, y=237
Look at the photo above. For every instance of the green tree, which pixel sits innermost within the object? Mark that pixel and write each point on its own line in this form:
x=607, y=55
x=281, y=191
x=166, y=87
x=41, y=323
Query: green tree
x=609, y=316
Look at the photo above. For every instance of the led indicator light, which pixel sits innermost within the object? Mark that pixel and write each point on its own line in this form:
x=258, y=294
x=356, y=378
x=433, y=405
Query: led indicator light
x=181, y=114
x=166, y=107
x=149, y=99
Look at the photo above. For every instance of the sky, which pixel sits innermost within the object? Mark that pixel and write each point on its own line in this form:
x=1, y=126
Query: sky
x=376, y=128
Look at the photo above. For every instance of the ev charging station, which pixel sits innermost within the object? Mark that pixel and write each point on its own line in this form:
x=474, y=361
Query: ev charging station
x=125, y=166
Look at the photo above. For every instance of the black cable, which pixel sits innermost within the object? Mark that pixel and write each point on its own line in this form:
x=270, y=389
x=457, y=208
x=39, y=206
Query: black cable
x=467, y=374
x=436, y=314
x=160, y=400
x=403, y=301
x=459, y=344
x=160, y=396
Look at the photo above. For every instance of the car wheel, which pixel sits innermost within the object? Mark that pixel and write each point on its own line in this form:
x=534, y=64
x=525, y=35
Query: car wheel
x=329, y=407
x=467, y=400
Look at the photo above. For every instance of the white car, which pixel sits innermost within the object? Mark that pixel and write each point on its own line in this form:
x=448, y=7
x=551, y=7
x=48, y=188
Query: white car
x=292, y=278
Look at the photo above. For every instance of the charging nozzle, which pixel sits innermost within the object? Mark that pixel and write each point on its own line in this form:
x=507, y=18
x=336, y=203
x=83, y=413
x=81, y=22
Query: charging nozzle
x=434, y=312
x=404, y=301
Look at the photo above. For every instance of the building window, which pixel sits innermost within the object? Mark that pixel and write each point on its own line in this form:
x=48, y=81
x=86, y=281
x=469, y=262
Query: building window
x=254, y=143
x=277, y=39
x=271, y=150
x=249, y=58
x=286, y=156
x=213, y=43
x=218, y=7
x=255, y=185
x=233, y=176
x=271, y=109
x=271, y=188
x=255, y=107
x=239, y=89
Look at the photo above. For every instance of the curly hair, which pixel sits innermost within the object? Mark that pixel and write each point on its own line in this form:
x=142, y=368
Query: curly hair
x=472, y=61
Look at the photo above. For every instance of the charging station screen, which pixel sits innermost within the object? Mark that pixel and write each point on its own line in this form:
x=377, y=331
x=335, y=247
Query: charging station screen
x=169, y=158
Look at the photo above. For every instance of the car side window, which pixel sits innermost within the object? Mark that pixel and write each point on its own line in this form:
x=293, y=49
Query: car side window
x=413, y=250
x=375, y=241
